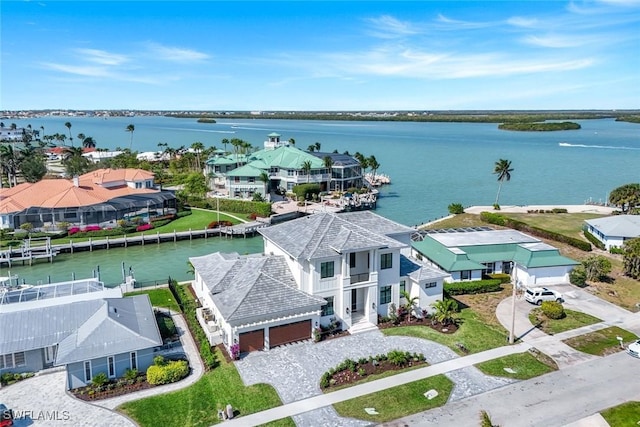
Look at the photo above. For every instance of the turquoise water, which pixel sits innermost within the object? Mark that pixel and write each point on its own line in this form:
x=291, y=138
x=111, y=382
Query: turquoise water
x=430, y=164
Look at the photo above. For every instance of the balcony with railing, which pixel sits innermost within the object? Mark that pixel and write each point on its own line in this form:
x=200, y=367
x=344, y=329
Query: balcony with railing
x=358, y=278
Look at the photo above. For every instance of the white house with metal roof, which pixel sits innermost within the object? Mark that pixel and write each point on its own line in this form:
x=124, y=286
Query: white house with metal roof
x=80, y=325
x=613, y=231
x=315, y=270
x=469, y=254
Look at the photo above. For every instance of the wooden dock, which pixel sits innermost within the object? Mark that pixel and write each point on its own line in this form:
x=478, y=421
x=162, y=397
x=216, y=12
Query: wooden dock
x=31, y=249
x=29, y=253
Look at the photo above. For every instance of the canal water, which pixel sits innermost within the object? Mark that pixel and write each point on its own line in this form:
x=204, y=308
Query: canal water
x=149, y=263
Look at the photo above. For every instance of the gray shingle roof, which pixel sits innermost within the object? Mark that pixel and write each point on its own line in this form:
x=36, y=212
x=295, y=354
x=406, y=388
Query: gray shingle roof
x=617, y=225
x=252, y=287
x=419, y=272
x=120, y=325
x=324, y=235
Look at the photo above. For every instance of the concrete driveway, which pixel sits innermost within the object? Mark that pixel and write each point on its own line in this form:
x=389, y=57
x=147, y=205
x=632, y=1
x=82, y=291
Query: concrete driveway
x=295, y=370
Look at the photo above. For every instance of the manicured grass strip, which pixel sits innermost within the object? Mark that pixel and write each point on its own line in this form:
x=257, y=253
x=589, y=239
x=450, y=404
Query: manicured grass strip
x=525, y=365
x=569, y=224
x=625, y=415
x=473, y=333
x=398, y=402
x=285, y=422
x=198, y=220
x=198, y=404
x=161, y=297
x=602, y=342
x=572, y=320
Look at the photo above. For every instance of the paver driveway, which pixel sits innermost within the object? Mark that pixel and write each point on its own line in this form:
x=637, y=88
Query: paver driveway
x=295, y=370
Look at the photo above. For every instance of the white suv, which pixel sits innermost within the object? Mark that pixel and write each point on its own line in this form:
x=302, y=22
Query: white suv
x=537, y=295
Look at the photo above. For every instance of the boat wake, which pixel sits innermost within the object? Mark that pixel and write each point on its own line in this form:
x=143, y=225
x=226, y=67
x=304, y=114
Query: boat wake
x=606, y=147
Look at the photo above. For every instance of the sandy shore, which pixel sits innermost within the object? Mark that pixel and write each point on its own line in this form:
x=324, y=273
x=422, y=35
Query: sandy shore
x=603, y=210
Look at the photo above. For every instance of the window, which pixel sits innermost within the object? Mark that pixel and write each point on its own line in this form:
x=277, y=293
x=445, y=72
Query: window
x=87, y=371
x=465, y=275
x=385, y=295
x=134, y=360
x=290, y=172
x=138, y=185
x=148, y=184
x=326, y=269
x=506, y=267
x=236, y=179
x=386, y=261
x=327, y=310
x=12, y=360
x=251, y=179
x=430, y=285
x=19, y=359
x=111, y=365
x=403, y=286
x=352, y=260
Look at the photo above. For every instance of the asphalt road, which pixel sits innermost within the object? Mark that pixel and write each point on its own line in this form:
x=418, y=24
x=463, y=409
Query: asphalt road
x=556, y=399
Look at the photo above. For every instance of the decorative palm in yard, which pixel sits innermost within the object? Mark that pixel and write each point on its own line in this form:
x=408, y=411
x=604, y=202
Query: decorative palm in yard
x=410, y=303
x=503, y=169
x=445, y=310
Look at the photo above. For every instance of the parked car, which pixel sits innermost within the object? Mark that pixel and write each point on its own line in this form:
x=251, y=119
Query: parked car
x=634, y=349
x=537, y=295
x=6, y=416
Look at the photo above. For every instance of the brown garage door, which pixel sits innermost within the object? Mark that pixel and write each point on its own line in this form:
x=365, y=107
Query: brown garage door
x=298, y=331
x=252, y=341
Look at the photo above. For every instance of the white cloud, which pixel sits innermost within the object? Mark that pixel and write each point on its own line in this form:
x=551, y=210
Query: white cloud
x=387, y=26
x=175, y=54
x=519, y=21
x=81, y=70
x=555, y=41
x=101, y=57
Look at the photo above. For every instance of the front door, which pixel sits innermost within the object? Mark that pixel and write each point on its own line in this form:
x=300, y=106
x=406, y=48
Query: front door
x=49, y=355
x=354, y=300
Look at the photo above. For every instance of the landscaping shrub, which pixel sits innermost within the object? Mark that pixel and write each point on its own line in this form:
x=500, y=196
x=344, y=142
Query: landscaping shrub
x=473, y=287
x=578, y=276
x=27, y=226
x=456, y=208
x=168, y=372
x=552, y=309
x=593, y=239
x=559, y=210
x=99, y=379
x=161, y=222
x=305, y=191
x=616, y=250
x=184, y=213
x=503, y=277
x=216, y=224
x=144, y=227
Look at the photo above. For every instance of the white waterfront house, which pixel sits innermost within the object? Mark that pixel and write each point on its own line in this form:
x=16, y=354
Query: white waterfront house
x=613, y=231
x=315, y=270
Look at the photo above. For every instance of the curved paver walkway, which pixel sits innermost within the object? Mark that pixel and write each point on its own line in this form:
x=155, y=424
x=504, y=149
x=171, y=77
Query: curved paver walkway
x=45, y=401
x=295, y=370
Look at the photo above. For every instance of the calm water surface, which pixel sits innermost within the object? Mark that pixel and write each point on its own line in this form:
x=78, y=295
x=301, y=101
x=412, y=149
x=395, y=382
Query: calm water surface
x=430, y=164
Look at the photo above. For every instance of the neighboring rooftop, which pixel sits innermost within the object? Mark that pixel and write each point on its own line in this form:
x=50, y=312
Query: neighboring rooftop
x=470, y=237
x=617, y=225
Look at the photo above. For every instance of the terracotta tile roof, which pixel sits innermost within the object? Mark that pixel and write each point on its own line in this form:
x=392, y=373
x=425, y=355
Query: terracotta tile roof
x=62, y=193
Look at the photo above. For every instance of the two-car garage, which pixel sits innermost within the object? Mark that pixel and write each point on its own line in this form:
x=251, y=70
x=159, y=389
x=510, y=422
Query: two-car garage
x=277, y=335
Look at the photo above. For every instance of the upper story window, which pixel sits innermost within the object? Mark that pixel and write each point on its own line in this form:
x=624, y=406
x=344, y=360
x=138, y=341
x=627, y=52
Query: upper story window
x=236, y=179
x=252, y=179
x=352, y=260
x=291, y=172
x=326, y=269
x=138, y=185
x=386, y=261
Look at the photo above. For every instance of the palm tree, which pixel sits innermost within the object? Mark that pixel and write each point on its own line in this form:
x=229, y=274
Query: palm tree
x=264, y=178
x=411, y=302
x=225, y=141
x=317, y=145
x=8, y=164
x=311, y=148
x=503, y=169
x=237, y=143
x=292, y=141
x=89, y=142
x=306, y=168
x=373, y=164
x=42, y=129
x=445, y=310
x=81, y=137
x=68, y=126
x=197, y=147
x=130, y=128
x=328, y=163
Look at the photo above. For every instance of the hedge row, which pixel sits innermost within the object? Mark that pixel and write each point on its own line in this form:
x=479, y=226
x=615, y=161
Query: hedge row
x=167, y=372
x=503, y=277
x=473, y=287
x=262, y=209
x=497, y=219
x=593, y=239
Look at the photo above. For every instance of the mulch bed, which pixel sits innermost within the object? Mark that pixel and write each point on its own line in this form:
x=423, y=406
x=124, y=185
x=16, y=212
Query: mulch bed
x=223, y=350
x=347, y=377
x=445, y=329
x=83, y=393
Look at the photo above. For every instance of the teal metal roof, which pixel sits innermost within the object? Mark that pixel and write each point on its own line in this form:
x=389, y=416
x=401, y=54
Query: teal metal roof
x=540, y=255
x=246, y=170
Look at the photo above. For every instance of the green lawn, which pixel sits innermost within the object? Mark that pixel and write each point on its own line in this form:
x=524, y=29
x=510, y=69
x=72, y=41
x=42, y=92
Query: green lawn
x=625, y=415
x=160, y=297
x=166, y=326
x=569, y=224
x=197, y=405
x=572, y=320
x=198, y=220
x=473, y=333
x=398, y=401
x=602, y=342
x=525, y=365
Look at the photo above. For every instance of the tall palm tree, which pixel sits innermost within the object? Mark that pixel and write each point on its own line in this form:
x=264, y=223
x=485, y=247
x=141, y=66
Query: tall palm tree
x=42, y=129
x=264, y=178
x=328, y=163
x=237, y=143
x=81, y=137
x=292, y=141
x=89, y=142
x=68, y=126
x=130, y=128
x=306, y=168
x=197, y=147
x=8, y=164
x=373, y=164
x=503, y=169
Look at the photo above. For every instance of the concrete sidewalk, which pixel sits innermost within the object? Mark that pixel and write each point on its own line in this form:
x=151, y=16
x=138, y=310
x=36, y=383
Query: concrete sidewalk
x=305, y=405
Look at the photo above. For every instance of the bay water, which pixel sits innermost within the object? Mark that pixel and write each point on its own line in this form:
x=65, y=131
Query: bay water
x=430, y=164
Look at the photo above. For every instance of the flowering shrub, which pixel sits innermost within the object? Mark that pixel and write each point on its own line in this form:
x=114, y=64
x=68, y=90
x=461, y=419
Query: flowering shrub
x=144, y=227
x=235, y=351
x=216, y=224
x=73, y=230
x=92, y=228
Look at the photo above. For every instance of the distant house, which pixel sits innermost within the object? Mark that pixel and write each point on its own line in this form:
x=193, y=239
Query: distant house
x=80, y=325
x=104, y=195
x=12, y=135
x=99, y=156
x=240, y=174
x=468, y=254
x=613, y=231
x=316, y=270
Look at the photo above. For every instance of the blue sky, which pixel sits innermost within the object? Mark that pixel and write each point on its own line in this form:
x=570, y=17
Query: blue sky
x=215, y=55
